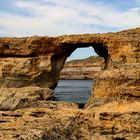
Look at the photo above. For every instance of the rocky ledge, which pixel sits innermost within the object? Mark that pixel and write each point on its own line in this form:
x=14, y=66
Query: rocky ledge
x=29, y=72
x=71, y=124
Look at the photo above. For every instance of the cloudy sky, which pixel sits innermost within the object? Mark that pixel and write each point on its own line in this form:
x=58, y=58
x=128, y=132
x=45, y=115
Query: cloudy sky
x=57, y=17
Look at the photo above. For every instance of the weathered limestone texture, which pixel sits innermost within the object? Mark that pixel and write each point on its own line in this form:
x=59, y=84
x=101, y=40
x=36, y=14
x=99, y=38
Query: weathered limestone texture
x=29, y=71
x=70, y=124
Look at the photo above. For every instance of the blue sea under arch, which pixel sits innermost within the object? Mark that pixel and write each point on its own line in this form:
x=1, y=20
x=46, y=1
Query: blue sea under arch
x=73, y=90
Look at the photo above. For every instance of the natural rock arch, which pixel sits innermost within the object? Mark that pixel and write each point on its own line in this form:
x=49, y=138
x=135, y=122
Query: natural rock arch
x=58, y=61
x=37, y=61
x=29, y=69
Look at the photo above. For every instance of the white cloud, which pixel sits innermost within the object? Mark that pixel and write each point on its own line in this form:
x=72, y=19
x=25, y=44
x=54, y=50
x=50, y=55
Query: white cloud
x=55, y=17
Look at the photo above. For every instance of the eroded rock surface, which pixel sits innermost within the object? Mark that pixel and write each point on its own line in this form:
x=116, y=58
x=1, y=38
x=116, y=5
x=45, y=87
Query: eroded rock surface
x=70, y=124
x=29, y=71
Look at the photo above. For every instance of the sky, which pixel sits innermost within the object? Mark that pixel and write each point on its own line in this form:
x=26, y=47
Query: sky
x=57, y=17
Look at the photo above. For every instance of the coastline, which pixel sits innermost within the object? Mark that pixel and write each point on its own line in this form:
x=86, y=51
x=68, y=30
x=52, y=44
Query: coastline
x=82, y=69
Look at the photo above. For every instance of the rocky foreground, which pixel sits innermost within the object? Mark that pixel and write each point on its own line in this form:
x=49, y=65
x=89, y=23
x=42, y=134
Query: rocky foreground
x=29, y=72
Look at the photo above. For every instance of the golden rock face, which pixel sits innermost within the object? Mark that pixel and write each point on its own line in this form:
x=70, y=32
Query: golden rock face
x=30, y=69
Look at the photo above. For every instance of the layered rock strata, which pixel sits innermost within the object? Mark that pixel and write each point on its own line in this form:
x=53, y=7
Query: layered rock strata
x=29, y=71
x=82, y=69
x=71, y=124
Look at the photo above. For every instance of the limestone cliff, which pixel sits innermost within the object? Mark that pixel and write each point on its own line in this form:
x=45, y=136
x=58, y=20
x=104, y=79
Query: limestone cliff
x=29, y=71
x=82, y=69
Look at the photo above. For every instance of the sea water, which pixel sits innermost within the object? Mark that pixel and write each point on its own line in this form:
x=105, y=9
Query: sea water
x=73, y=90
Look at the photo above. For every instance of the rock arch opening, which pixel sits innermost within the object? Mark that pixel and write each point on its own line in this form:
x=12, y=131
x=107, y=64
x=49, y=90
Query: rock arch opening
x=81, y=53
x=76, y=78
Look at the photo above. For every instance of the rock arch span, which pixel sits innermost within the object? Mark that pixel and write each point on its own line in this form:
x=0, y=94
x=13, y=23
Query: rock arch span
x=35, y=63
